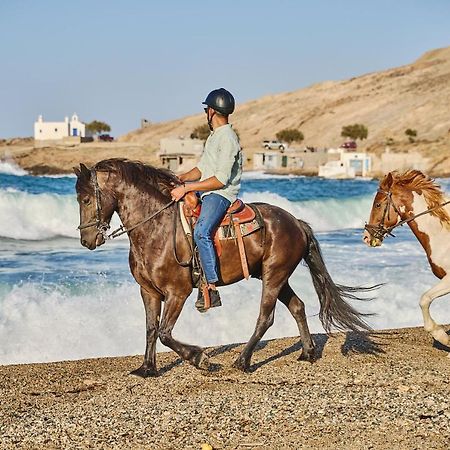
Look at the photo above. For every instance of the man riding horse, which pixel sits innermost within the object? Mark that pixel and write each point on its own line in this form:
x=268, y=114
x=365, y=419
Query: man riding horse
x=218, y=177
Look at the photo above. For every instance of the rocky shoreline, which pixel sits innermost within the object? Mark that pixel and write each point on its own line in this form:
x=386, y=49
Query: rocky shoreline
x=390, y=392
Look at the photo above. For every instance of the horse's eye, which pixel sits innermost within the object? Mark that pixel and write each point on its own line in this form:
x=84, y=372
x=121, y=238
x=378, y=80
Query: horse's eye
x=377, y=205
x=86, y=200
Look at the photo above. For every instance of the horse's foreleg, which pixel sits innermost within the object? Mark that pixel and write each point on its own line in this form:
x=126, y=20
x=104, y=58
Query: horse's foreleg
x=437, y=331
x=264, y=322
x=297, y=308
x=152, y=304
x=172, y=309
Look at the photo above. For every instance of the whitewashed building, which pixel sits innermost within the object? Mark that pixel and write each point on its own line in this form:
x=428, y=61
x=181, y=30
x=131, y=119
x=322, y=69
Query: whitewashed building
x=180, y=154
x=51, y=131
x=349, y=165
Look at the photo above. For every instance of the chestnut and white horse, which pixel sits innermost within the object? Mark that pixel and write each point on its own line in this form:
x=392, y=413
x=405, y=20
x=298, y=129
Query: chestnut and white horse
x=415, y=199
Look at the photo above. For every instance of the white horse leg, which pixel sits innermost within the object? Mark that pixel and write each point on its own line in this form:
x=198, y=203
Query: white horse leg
x=437, y=331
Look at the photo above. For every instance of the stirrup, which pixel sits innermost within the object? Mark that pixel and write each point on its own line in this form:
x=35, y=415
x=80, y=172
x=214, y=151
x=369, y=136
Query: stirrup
x=207, y=298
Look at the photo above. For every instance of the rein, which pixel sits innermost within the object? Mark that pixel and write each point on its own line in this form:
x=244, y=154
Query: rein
x=122, y=230
x=103, y=226
x=380, y=231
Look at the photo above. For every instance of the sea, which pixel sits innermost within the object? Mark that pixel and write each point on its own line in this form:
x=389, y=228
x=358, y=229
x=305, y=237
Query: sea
x=60, y=301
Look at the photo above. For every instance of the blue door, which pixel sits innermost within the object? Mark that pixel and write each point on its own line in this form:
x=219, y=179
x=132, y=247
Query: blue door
x=74, y=131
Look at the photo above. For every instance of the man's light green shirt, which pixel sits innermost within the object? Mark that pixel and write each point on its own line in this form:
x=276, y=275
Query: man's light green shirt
x=222, y=158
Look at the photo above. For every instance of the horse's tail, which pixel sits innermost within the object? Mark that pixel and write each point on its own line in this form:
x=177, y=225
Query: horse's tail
x=334, y=310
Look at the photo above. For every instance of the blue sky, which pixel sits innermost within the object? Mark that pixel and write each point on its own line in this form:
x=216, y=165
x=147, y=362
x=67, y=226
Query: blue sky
x=120, y=61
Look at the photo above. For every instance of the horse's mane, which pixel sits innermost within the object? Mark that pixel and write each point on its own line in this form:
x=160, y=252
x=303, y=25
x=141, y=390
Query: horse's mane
x=417, y=181
x=143, y=176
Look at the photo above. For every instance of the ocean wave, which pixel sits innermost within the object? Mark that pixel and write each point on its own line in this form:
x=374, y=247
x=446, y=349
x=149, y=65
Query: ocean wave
x=257, y=175
x=10, y=168
x=36, y=217
x=322, y=215
x=46, y=216
x=49, y=322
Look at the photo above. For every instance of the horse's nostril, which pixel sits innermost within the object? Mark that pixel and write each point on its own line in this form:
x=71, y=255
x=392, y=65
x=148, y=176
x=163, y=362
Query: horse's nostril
x=83, y=243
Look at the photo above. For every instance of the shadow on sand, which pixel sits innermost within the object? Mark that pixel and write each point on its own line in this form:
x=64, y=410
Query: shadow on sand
x=439, y=346
x=362, y=343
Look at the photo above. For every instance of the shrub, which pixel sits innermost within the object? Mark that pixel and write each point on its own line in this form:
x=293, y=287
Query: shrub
x=411, y=134
x=355, y=131
x=97, y=127
x=290, y=135
x=201, y=132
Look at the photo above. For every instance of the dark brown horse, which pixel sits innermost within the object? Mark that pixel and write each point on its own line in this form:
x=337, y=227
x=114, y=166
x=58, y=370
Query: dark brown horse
x=140, y=195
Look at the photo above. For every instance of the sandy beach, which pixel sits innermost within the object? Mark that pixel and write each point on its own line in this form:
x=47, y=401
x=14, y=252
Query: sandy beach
x=391, y=393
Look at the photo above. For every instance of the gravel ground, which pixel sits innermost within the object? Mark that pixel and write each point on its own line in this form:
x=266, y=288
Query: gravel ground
x=393, y=392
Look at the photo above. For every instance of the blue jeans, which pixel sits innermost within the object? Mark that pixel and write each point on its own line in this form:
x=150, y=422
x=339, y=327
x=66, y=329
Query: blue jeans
x=214, y=207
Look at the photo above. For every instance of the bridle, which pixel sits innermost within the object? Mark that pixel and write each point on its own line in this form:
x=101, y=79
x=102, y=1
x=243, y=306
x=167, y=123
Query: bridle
x=380, y=231
x=100, y=224
x=103, y=226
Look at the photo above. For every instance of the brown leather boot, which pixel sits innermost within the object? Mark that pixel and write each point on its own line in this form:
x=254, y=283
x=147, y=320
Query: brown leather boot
x=214, y=299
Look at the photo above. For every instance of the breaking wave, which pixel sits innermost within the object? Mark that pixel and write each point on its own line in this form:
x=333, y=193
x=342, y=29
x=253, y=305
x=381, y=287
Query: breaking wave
x=10, y=168
x=46, y=216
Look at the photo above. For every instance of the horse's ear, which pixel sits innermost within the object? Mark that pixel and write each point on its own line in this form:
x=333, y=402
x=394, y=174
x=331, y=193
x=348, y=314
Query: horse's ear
x=85, y=170
x=389, y=180
x=77, y=171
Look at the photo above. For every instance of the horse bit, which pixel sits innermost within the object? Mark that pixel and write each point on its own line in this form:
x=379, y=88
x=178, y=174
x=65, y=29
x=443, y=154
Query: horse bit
x=103, y=226
x=380, y=231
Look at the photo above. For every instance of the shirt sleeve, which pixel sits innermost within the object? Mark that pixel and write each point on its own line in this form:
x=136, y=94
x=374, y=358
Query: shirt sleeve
x=228, y=150
x=201, y=166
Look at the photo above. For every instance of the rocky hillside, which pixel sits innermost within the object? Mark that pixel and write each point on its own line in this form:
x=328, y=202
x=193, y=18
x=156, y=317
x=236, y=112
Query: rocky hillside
x=414, y=96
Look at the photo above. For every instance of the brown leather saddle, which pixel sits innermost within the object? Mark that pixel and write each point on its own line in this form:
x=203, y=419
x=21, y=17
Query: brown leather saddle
x=238, y=212
x=239, y=220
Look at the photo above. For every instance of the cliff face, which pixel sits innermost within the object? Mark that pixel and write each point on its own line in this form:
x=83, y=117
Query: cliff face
x=414, y=96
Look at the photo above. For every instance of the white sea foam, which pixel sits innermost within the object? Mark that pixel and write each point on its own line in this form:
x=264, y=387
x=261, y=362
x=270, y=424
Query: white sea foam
x=10, y=168
x=45, y=216
x=41, y=323
x=322, y=215
x=38, y=216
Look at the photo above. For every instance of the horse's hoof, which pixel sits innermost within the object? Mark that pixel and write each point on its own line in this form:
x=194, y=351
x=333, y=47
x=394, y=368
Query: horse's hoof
x=201, y=361
x=144, y=372
x=241, y=365
x=308, y=355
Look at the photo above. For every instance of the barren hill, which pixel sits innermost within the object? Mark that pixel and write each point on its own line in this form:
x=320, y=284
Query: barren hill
x=414, y=96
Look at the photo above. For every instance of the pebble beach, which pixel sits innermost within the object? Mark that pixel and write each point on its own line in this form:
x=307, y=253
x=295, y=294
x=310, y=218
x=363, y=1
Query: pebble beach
x=388, y=391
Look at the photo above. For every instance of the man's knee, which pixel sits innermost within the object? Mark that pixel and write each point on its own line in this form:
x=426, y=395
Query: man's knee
x=201, y=232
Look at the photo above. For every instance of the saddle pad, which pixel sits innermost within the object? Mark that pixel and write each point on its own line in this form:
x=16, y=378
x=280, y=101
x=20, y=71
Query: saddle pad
x=227, y=231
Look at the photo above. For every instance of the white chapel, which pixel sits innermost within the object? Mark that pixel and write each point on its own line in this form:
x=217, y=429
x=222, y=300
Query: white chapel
x=48, y=131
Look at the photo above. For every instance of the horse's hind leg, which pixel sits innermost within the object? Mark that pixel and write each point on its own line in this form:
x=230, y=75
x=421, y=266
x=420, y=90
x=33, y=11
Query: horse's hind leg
x=297, y=308
x=172, y=309
x=437, y=331
x=265, y=320
x=152, y=304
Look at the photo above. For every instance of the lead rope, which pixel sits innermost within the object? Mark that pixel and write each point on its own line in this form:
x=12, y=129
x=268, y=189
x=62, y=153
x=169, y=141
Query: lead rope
x=380, y=231
x=402, y=222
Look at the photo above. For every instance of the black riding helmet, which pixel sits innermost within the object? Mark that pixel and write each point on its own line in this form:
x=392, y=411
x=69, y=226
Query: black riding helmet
x=221, y=101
